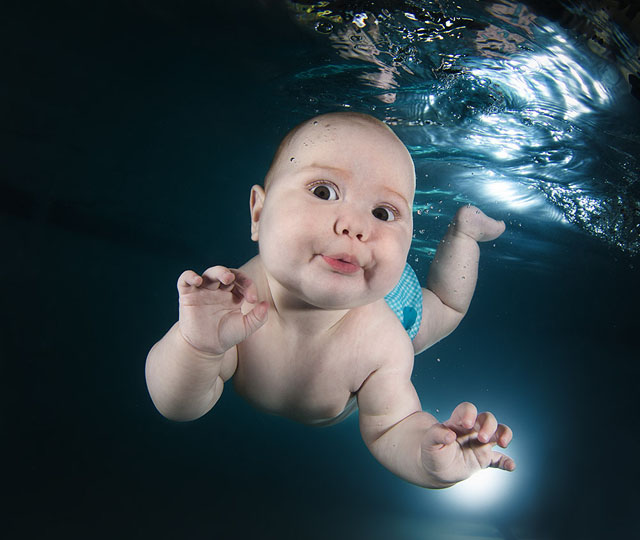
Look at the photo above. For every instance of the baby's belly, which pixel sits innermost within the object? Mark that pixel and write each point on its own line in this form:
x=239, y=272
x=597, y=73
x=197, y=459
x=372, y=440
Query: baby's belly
x=307, y=409
x=315, y=398
x=350, y=408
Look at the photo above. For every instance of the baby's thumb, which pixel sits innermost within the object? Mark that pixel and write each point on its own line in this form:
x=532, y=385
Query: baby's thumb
x=256, y=317
x=493, y=229
x=439, y=435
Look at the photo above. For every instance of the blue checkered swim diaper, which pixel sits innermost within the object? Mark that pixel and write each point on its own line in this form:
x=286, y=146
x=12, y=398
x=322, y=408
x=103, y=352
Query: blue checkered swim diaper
x=406, y=301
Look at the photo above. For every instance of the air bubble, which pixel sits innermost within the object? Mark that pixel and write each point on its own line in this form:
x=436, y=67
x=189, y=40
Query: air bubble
x=324, y=27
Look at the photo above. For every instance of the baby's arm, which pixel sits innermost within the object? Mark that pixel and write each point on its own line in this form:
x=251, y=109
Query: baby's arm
x=187, y=368
x=413, y=444
x=453, y=274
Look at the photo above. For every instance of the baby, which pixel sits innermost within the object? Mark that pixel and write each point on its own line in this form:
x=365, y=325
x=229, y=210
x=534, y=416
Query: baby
x=328, y=317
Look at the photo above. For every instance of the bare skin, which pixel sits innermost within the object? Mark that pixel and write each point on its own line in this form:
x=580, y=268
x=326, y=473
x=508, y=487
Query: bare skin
x=303, y=326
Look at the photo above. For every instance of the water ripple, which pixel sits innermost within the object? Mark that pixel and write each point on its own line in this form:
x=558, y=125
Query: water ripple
x=498, y=105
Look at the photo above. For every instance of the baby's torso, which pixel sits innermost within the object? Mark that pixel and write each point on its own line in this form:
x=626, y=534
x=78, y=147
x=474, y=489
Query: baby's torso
x=312, y=378
x=308, y=378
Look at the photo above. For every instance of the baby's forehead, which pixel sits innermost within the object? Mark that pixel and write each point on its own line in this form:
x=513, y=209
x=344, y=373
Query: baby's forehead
x=351, y=138
x=344, y=133
x=337, y=127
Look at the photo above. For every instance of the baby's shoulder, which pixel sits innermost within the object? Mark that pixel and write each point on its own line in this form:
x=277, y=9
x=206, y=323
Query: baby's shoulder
x=253, y=267
x=378, y=331
x=254, y=270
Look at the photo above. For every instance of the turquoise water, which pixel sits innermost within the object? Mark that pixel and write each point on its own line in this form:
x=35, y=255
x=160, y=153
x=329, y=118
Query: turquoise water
x=132, y=132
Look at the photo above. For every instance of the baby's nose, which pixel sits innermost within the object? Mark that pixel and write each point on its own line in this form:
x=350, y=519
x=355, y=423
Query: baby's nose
x=353, y=223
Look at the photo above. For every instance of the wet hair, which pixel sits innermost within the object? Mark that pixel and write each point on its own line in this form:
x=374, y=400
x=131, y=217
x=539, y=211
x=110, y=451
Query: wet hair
x=323, y=120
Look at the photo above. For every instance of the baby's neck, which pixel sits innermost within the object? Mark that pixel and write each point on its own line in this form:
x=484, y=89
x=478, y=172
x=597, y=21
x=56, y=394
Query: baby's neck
x=299, y=317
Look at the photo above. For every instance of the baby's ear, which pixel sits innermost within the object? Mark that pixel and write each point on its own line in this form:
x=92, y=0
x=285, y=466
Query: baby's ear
x=256, y=202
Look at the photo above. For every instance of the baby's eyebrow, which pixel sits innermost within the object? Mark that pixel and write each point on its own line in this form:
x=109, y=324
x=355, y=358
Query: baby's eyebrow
x=316, y=167
x=400, y=195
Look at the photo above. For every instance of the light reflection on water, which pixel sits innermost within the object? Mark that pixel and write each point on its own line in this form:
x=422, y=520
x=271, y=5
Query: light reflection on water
x=500, y=107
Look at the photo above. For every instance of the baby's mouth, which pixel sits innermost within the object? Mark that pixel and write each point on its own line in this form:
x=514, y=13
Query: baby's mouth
x=344, y=264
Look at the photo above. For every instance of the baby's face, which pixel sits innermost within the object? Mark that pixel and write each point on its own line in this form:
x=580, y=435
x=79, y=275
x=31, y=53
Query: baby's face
x=336, y=223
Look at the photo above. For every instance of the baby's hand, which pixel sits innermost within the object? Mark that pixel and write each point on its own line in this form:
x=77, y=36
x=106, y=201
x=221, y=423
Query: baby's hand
x=474, y=223
x=218, y=309
x=454, y=450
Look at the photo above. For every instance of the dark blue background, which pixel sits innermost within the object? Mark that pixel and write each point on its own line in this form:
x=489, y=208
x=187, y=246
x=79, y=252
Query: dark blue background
x=131, y=134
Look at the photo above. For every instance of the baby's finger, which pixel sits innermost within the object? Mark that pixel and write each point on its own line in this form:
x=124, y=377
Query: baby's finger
x=188, y=279
x=218, y=276
x=503, y=435
x=245, y=287
x=500, y=461
x=463, y=417
x=439, y=435
x=486, y=425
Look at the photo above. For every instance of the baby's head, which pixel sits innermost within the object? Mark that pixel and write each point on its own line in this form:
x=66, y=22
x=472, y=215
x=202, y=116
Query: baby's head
x=334, y=219
x=334, y=128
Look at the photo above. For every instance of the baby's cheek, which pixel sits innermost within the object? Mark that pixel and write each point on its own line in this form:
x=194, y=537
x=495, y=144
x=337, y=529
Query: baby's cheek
x=380, y=281
x=396, y=267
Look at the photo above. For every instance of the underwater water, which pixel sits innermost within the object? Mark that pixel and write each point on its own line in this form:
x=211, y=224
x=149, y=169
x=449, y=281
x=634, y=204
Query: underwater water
x=131, y=134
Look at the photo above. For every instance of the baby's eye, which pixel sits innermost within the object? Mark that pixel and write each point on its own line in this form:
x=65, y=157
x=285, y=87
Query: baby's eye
x=383, y=213
x=325, y=191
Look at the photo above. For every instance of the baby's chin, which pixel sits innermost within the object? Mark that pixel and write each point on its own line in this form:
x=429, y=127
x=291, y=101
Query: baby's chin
x=340, y=299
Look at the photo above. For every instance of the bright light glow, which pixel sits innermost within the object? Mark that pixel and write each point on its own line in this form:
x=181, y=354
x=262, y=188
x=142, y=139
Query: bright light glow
x=485, y=488
x=533, y=77
x=529, y=137
x=512, y=193
x=502, y=153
